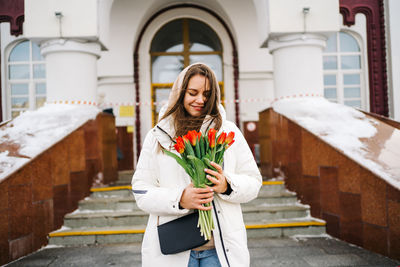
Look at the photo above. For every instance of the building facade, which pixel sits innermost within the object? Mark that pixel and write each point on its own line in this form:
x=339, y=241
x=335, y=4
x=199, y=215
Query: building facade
x=125, y=55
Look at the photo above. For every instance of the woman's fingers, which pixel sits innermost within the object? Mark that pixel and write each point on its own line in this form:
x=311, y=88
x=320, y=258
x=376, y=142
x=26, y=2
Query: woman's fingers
x=193, y=198
x=203, y=190
x=204, y=196
x=206, y=200
x=201, y=207
x=214, y=173
x=200, y=199
x=213, y=179
x=216, y=166
x=217, y=178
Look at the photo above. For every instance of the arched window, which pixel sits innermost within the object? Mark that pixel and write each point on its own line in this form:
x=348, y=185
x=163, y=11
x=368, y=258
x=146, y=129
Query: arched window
x=26, y=80
x=175, y=46
x=343, y=71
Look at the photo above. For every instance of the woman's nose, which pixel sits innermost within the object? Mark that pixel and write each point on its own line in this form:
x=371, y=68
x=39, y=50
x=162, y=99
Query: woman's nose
x=200, y=99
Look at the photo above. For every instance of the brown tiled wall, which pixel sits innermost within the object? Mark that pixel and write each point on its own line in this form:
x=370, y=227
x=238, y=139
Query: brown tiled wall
x=34, y=200
x=358, y=206
x=109, y=149
x=125, y=143
x=387, y=120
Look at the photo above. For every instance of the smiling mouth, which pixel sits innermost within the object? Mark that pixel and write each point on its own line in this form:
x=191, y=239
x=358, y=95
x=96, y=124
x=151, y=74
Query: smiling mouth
x=197, y=108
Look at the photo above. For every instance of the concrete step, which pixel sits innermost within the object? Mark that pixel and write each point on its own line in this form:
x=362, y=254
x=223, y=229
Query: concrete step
x=97, y=235
x=115, y=203
x=279, y=228
x=128, y=202
x=129, y=234
x=110, y=215
x=273, y=191
x=272, y=187
x=265, y=213
x=126, y=175
x=283, y=197
x=124, y=178
x=112, y=192
x=103, y=218
x=269, y=188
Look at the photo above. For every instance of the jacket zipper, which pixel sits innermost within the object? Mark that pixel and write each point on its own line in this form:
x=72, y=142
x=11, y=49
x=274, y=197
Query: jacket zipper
x=220, y=233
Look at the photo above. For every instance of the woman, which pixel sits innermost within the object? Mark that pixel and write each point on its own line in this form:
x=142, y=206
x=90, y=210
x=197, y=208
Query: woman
x=163, y=189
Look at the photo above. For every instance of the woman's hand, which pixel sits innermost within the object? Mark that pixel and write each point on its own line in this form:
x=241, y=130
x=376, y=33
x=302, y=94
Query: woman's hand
x=193, y=198
x=219, y=179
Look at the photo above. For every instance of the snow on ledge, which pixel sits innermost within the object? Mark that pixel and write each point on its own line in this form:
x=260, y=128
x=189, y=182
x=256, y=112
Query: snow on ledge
x=36, y=131
x=340, y=126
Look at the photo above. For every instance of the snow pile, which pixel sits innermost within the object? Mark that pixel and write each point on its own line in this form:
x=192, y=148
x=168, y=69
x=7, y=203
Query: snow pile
x=35, y=131
x=341, y=126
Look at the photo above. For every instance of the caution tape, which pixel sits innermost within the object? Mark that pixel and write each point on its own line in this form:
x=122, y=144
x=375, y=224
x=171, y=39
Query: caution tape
x=270, y=101
x=74, y=102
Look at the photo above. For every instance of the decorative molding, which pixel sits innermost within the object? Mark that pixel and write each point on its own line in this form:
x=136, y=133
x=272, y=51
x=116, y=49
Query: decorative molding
x=68, y=45
x=295, y=39
x=256, y=75
x=111, y=80
x=136, y=64
x=376, y=45
x=12, y=11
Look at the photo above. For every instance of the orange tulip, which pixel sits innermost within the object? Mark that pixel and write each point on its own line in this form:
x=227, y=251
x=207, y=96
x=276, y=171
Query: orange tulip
x=233, y=141
x=211, y=137
x=192, y=137
x=229, y=138
x=180, y=145
x=221, y=138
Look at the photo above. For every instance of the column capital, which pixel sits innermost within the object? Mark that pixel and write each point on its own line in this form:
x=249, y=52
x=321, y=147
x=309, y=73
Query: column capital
x=69, y=45
x=296, y=39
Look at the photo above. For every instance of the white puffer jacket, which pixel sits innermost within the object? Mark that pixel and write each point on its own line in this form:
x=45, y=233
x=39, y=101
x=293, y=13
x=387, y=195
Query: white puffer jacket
x=158, y=184
x=159, y=181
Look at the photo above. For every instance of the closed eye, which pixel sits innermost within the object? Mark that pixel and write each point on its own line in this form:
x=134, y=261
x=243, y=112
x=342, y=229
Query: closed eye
x=207, y=94
x=193, y=92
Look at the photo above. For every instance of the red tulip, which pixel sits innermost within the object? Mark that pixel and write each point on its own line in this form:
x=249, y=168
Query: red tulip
x=192, y=137
x=180, y=145
x=221, y=138
x=211, y=137
x=229, y=138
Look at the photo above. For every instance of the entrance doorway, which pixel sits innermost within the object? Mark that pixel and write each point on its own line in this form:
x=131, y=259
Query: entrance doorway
x=176, y=45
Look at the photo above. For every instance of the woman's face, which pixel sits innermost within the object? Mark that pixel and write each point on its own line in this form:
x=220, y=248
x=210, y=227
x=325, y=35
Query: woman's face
x=196, y=95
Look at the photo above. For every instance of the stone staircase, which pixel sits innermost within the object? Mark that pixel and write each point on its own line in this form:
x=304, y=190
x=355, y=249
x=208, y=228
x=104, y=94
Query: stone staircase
x=110, y=215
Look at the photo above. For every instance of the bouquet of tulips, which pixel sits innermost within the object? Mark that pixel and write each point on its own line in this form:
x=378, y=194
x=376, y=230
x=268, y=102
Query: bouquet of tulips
x=197, y=151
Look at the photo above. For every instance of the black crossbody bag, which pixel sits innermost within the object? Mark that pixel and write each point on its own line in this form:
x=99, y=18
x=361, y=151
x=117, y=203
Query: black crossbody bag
x=180, y=235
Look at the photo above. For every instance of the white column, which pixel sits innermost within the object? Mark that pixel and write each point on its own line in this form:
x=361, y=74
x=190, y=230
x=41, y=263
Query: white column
x=298, y=67
x=393, y=50
x=71, y=70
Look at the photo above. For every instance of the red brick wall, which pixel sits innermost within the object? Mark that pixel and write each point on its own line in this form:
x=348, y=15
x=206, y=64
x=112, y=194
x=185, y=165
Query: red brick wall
x=358, y=206
x=34, y=200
